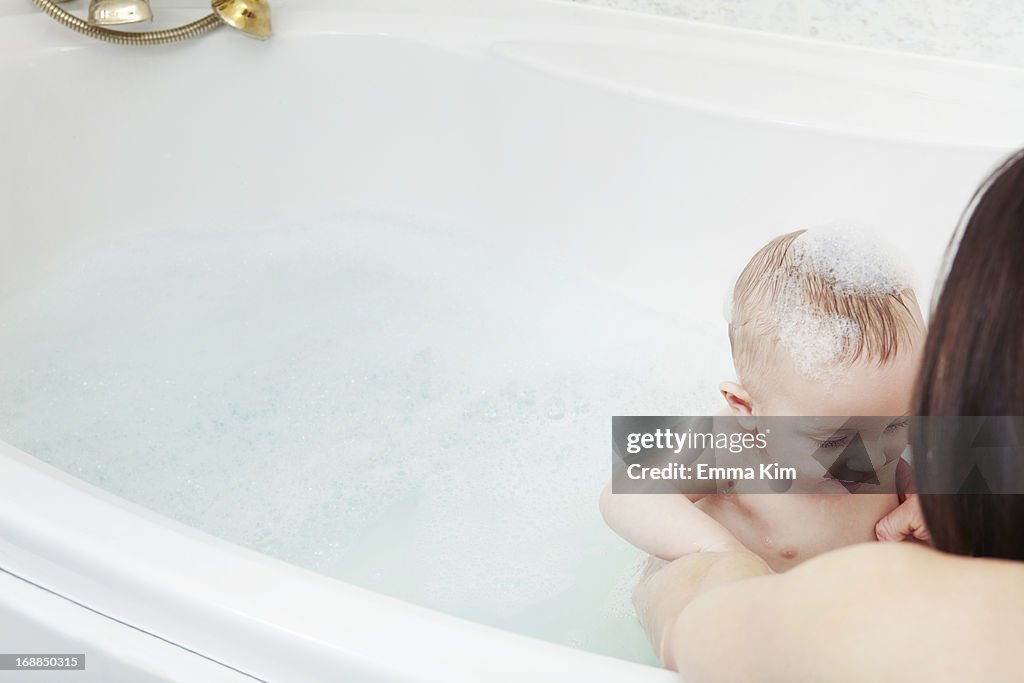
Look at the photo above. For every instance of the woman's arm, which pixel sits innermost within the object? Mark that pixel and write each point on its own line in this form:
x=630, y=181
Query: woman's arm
x=879, y=612
x=664, y=594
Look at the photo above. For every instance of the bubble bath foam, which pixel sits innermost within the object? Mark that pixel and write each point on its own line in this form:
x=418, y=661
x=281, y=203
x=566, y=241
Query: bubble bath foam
x=424, y=422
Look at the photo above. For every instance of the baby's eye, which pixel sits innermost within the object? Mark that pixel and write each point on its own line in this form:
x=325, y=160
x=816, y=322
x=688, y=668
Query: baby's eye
x=896, y=426
x=832, y=443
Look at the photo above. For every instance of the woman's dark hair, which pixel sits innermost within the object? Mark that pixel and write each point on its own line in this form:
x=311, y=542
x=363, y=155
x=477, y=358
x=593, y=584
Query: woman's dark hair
x=974, y=366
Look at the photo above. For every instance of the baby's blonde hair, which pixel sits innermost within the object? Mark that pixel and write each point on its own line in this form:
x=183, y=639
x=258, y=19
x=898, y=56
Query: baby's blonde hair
x=774, y=282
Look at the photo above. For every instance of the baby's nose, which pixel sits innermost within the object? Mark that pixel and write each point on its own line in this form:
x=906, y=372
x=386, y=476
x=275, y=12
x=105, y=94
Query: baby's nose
x=860, y=457
x=857, y=462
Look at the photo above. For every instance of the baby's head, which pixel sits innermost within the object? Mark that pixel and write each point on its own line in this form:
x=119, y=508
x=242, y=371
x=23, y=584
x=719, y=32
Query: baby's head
x=823, y=322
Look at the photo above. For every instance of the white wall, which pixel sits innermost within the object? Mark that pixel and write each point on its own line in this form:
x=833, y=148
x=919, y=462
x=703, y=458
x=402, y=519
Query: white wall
x=991, y=31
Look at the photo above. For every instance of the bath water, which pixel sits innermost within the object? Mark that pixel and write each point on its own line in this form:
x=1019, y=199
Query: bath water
x=380, y=401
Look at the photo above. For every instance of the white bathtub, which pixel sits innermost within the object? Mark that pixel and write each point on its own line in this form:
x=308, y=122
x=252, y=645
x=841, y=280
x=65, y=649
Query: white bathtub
x=628, y=146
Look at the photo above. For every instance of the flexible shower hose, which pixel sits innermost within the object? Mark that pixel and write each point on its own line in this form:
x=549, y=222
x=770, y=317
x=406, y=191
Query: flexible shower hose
x=171, y=35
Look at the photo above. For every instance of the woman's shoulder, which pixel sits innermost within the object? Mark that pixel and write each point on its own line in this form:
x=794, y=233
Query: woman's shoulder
x=929, y=614
x=944, y=590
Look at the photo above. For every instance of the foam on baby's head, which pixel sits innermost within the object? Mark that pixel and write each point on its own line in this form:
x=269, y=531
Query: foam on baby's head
x=827, y=297
x=853, y=261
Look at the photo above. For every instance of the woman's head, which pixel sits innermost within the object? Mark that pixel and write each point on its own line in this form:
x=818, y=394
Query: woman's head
x=974, y=366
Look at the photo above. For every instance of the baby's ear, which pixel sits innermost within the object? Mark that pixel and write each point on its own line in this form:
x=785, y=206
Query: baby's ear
x=740, y=405
x=738, y=399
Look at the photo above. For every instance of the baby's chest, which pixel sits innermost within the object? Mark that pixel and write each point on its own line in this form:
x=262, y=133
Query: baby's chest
x=785, y=529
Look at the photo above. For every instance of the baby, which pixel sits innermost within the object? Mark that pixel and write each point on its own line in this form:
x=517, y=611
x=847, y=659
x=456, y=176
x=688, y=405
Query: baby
x=823, y=324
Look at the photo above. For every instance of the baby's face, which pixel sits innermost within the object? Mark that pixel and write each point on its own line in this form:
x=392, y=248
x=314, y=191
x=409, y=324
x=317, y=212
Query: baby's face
x=864, y=402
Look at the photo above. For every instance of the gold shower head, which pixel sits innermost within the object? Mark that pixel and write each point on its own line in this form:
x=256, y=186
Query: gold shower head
x=251, y=17
x=113, y=12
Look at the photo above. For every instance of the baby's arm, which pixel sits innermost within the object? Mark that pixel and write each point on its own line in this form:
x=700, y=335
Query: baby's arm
x=666, y=525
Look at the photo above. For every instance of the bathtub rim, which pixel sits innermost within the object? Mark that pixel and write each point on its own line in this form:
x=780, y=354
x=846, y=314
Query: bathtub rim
x=175, y=581
x=468, y=27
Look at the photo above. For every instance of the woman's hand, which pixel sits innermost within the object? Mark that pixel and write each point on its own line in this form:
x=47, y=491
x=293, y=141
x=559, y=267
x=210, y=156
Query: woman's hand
x=906, y=522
